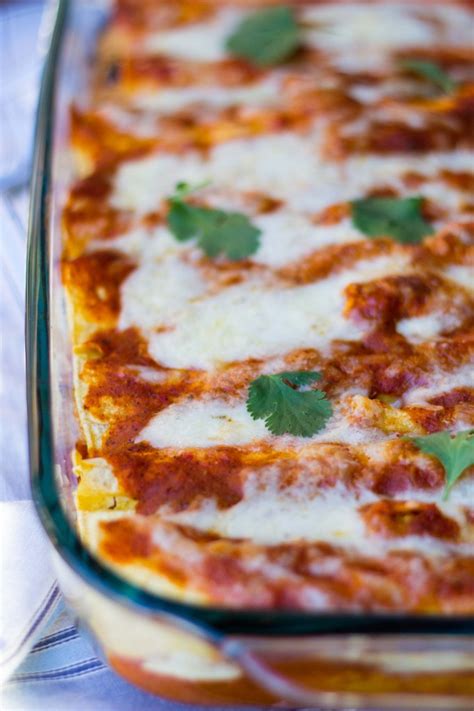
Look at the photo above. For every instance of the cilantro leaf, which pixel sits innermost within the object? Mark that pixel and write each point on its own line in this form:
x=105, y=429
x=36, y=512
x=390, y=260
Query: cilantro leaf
x=300, y=377
x=182, y=189
x=228, y=232
x=285, y=409
x=216, y=231
x=400, y=218
x=182, y=220
x=455, y=453
x=266, y=37
x=430, y=71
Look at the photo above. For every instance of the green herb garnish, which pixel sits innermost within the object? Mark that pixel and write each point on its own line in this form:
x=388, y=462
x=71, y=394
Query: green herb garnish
x=285, y=408
x=455, y=453
x=400, y=218
x=430, y=71
x=216, y=231
x=266, y=37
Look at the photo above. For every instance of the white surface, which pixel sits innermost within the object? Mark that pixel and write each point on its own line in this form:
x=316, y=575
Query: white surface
x=25, y=591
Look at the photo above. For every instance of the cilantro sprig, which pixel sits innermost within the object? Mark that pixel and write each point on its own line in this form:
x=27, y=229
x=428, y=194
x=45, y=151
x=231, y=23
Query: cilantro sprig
x=399, y=218
x=286, y=408
x=456, y=453
x=266, y=37
x=216, y=231
x=431, y=72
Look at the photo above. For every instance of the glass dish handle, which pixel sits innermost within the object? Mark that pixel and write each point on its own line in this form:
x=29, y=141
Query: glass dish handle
x=276, y=683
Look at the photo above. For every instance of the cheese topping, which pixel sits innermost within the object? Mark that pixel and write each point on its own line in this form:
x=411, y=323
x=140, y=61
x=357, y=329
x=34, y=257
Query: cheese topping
x=247, y=320
x=285, y=166
x=180, y=489
x=262, y=93
x=422, y=328
x=200, y=41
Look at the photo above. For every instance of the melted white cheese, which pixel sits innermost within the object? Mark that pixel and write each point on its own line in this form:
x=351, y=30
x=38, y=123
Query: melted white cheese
x=268, y=516
x=284, y=165
x=201, y=41
x=262, y=93
x=357, y=35
x=287, y=236
x=203, y=423
x=209, y=423
x=248, y=320
x=140, y=185
x=144, y=245
x=462, y=275
x=352, y=24
x=187, y=325
x=424, y=328
x=369, y=94
x=281, y=164
x=155, y=292
x=444, y=196
x=354, y=34
x=440, y=382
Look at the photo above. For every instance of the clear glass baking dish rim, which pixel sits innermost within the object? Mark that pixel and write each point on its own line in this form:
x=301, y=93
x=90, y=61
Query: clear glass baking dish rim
x=212, y=623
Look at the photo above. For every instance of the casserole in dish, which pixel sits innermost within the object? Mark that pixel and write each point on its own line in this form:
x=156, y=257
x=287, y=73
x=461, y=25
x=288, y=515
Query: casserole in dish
x=266, y=262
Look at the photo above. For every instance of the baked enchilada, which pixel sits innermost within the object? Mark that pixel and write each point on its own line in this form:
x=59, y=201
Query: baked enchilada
x=268, y=258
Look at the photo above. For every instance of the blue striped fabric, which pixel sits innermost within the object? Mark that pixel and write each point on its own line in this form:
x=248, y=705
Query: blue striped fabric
x=62, y=673
x=41, y=615
x=68, y=634
x=60, y=654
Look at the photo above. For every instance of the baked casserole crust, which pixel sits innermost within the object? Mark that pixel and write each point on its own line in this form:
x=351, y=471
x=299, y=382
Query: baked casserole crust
x=180, y=489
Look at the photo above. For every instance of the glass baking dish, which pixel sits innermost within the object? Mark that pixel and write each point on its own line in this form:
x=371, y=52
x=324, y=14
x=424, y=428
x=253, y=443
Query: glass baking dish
x=189, y=653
